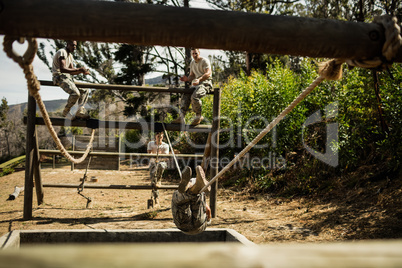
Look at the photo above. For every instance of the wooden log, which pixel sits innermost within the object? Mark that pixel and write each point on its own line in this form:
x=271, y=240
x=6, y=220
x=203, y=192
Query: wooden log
x=16, y=193
x=57, y=152
x=125, y=87
x=144, y=126
x=111, y=186
x=37, y=173
x=214, y=162
x=142, y=24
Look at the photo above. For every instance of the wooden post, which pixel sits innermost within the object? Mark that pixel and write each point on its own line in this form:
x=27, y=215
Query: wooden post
x=29, y=170
x=37, y=174
x=73, y=142
x=119, y=150
x=215, y=148
x=207, y=153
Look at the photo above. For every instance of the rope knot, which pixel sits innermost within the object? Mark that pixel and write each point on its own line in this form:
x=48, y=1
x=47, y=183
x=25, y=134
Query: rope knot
x=331, y=70
x=393, y=41
x=29, y=54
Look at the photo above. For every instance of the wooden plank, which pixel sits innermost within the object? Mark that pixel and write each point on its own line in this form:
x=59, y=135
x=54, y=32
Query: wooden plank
x=111, y=186
x=123, y=22
x=29, y=170
x=207, y=153
x=144, y=126
x=214, y=162
x=125, y=87
x=37, y=173
x=57, y=152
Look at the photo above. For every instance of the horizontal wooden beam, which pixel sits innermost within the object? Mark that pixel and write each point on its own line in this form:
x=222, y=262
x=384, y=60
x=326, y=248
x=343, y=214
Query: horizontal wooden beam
x=57, y=152
x=144, y=24
x=144, y=126
x=111, y=186
x=126, y=87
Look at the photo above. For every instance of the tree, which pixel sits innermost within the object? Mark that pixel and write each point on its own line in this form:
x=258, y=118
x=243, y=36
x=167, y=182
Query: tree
x=248, y=61
x=5, y=123
x=360, y=10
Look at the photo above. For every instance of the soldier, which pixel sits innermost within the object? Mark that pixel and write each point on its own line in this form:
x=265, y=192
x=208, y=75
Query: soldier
x=157, y=166
x=201, y=82
x=190, y=211
x=62, y=70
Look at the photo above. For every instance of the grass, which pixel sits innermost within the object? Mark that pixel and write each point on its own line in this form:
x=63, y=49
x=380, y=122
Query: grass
x=13, y=162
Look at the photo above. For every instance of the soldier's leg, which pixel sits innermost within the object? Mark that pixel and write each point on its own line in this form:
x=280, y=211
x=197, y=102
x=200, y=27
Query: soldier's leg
x=66, y=82
x=81, y=112
x=201, y=91
x=152, y=173
x=184, y=105
x=198, y=208
x=181, y=211
x=160, y=168
x=200, y=181
x=189, y=212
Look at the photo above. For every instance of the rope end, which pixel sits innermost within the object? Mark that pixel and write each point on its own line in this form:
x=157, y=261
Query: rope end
x=330, y=70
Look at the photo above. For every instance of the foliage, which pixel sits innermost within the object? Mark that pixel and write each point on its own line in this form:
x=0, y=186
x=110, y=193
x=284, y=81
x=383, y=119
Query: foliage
x=359, y=10
x=6, y=171
x=249, y=103
x=9, y=166
x=4, y=128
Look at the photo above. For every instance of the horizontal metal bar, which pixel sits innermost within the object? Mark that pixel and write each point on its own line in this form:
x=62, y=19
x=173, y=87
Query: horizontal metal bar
x=144, y=24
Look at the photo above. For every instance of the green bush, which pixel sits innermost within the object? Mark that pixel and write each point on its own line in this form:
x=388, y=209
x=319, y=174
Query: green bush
x=6, y=171
x=249, y=103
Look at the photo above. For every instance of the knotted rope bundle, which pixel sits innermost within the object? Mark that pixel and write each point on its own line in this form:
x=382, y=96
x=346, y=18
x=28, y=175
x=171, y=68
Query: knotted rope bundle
x=25, y=62
x=393, y=42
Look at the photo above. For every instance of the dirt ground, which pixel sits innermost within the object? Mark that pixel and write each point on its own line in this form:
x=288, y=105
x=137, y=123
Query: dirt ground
x=262, y=219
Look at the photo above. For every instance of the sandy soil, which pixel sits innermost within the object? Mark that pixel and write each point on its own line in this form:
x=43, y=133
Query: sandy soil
x=262, y=219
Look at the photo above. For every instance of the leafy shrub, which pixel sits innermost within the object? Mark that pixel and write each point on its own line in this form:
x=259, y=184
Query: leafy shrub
x=249, y=103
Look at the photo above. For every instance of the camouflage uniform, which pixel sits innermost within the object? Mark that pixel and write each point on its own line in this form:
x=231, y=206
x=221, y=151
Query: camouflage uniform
x=194, y=99
x=66, y=82
x=189, y=212
x=155, y=171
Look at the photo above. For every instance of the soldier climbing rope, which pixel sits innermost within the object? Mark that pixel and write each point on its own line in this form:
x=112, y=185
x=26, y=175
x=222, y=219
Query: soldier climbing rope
x=25, y=63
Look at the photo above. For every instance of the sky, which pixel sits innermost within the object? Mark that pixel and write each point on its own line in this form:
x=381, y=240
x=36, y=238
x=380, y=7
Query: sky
x=13, y=85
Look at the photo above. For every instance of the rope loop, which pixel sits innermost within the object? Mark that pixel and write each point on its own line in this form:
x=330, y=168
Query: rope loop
x=393, y=41
x=25, y=62
x=29, y=54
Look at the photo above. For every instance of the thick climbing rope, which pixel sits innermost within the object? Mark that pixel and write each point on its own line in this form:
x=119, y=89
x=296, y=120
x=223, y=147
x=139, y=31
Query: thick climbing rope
x=25, y=62
x=171, y=148
x=331, y=70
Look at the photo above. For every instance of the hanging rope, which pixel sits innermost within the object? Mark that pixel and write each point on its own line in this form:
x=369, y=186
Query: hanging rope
x=171, y=148
x=25, y=62
x=332, y=70
x=80, y=188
